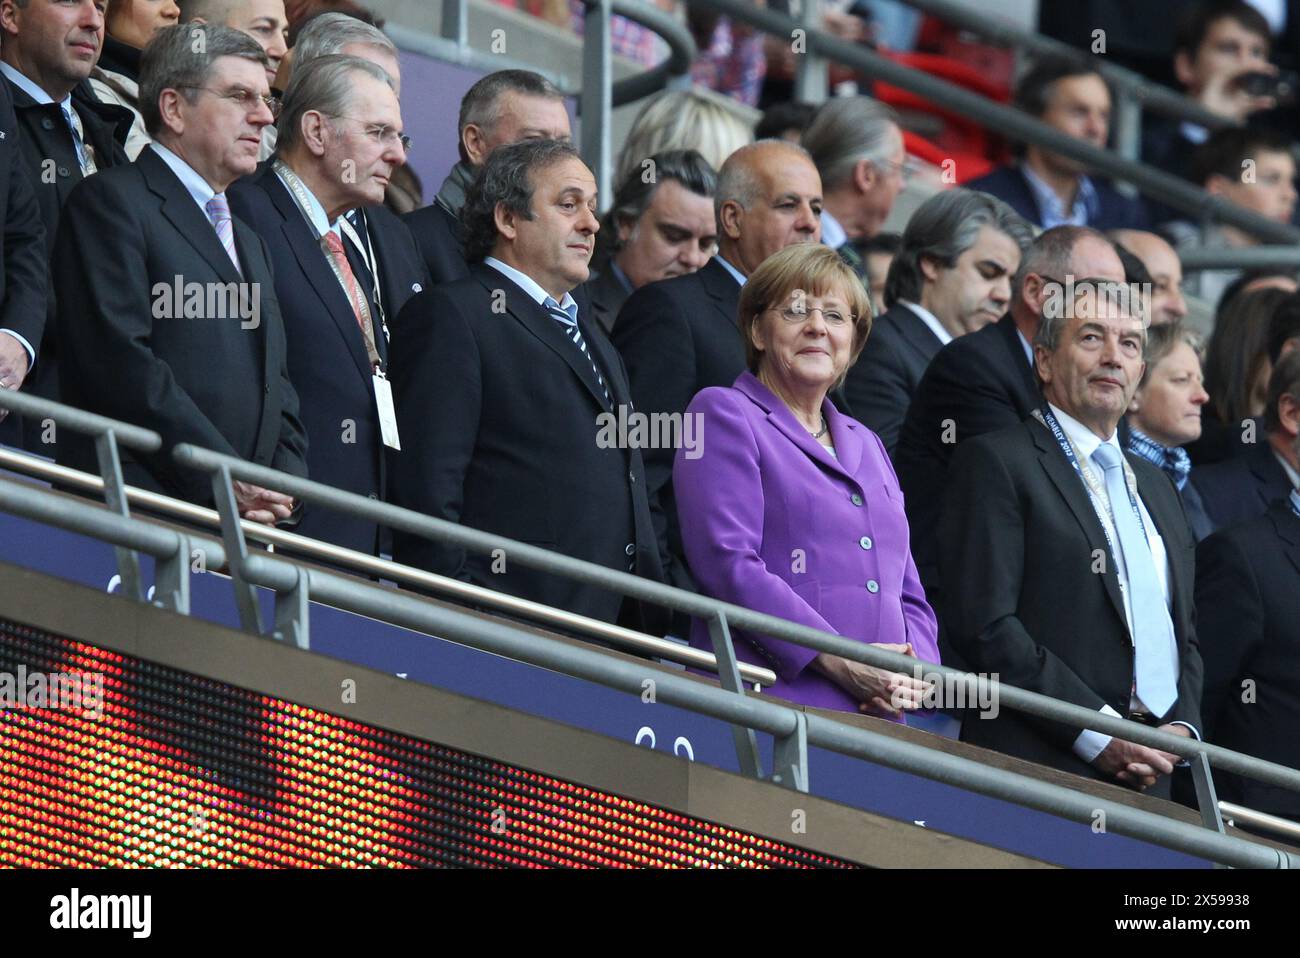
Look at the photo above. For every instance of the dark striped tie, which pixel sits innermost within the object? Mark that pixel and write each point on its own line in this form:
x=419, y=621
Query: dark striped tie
x=568, y=318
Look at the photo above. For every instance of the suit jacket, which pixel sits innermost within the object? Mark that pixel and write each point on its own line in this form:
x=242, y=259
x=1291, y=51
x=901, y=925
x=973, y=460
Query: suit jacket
x=327, y=358
x=1241, y=488
x=1021, y=597
x=880, y=385
x=437, y=235
x=49, y=158
x=507, y=410
x=1248, y=616
x=1114, y=210
x=126, y=238
x=678, y=336
x=23, y=271
x=763, y=490
x=977, y=383
x=607, y=295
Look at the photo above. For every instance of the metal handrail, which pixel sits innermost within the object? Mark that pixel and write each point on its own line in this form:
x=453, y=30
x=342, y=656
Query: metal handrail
x=794, y=731
x=681, y=51
x=1261, y=820
x=712, y=610
x=1002, y=32
x=1164, y=187
x=368, y=565
x=1240, y=257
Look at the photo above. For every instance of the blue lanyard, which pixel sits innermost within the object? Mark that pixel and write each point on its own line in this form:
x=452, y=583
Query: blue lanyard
x=1068, y=448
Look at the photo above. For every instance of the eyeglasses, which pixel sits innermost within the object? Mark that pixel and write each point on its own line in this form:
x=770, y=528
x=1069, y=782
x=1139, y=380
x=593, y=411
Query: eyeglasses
x=243, y=98
x=904, y=171
x=385, y=135
x=794, y=315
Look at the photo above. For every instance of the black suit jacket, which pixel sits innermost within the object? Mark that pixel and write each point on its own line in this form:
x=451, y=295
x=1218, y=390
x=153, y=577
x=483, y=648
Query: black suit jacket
x=327, y=358
x=49, y=158
x=607, y=294
x=1241, y=488
x=678, y=336
x=503, y=412
x=880, y=385
x=1248, y=616
x=1114, y=210
x=437, y=234
x=23, y=278
x=1022, y=599
x=124, y=239
x=976, y=384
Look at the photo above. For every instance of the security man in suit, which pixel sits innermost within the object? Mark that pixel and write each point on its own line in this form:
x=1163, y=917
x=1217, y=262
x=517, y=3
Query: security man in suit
x=1068, y=563
x=340, y=138
x=502, y=108
x=167, y=309
x=509, y=384
x=951, y=276
x=680, y=335
x=64, y=134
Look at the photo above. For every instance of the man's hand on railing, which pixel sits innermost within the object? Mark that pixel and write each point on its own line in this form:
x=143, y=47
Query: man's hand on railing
x=878, y=691
x=1136, y=765
x=13, y=365
x=257, y=504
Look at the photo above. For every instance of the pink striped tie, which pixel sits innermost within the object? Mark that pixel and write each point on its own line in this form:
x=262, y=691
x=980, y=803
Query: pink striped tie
x=219, y=213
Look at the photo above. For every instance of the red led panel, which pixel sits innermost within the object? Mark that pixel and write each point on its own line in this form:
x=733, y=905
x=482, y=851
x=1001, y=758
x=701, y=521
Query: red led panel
x=173, y=769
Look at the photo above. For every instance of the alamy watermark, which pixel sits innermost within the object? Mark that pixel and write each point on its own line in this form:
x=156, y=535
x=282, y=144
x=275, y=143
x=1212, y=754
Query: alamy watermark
x=1095, y=297
x=181, y=300
x=629, y=429
x=953, y=690
x=67, y=691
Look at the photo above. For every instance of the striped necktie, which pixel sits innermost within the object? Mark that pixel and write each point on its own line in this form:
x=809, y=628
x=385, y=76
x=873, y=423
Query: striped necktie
x=218, y=211
x=85, y=154
x=568, y=319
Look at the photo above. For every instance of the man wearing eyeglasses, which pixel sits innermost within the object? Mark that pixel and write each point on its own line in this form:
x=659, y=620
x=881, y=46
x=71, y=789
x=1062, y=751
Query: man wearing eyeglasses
x=168, y=315
x=64, y=134
x=858, y=149
x=340, y=140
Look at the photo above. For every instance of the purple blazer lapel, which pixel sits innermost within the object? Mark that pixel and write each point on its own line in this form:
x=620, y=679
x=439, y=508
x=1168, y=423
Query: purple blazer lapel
x=848, y=445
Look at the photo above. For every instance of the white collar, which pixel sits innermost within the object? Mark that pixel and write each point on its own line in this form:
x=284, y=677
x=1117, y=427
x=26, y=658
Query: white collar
x=196, y=185
x=315, y=211
x=930, y=320
x=737, y=274
x=1083, y=438
x=1291, y=474
x=527, y=284
x=833, y=234
x=31, y=88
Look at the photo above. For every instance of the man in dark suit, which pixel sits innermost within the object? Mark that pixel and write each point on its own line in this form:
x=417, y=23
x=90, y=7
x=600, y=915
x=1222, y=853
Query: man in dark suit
x=502, y=108
x=23, y=269
x=1068, y=565
x=64, y=133
x=951, y=276
x=167, y=308
x=985, y=381
x=1242, y=487
x=1049, y=189
x=1247, y=613
x=333, y=313
x=680, y=335
x=507, y=386
x=660, y=226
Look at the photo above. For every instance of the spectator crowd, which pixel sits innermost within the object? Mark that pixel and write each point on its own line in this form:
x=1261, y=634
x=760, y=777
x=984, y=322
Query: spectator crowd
x=990, y=438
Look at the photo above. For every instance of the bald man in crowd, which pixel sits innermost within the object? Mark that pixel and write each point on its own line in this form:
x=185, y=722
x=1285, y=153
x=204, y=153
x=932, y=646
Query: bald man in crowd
x=1161, y=261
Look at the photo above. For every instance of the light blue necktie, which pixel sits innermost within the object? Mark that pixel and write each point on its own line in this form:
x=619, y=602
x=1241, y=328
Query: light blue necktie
x=1153, y=630
x=568, y=318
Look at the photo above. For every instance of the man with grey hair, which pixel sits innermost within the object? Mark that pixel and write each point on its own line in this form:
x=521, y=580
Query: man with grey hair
x=340, y=141
x=951, y=276
x=507, y=381
x=327, y=34
x=985, y=381
x=680, y=335
x=1067, y=563
x=167, y=312
x=858, y=148
x=501, y=108
x=661, y=225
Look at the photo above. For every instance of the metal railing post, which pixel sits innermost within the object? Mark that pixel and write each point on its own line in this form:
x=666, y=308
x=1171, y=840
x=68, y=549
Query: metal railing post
x=172, y=578
x=455, y=22
x=597, y=97
x=812, y=72
x=293, y=612
x=1128, y=134
x=729, y=677
x=232, y=535
x=790, y=757
x=110, y=469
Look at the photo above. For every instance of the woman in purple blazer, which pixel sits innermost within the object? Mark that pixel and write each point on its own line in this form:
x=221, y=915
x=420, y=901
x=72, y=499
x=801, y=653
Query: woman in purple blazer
x=789, y=508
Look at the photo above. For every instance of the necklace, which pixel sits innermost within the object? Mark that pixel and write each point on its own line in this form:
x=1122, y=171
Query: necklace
x=818, y=435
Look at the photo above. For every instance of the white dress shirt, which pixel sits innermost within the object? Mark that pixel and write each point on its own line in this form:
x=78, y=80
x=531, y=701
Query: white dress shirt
x=930, y=320
x=736, y=274
x=833, y=234
x=527, y=283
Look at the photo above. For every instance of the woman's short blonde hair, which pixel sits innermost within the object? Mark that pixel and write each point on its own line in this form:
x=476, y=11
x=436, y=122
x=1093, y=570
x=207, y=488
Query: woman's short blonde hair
x=817, y=270
x=682, y=120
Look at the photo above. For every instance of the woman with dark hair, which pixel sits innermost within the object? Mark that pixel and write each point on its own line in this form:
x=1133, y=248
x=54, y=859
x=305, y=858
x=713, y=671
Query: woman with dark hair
x=1237, y=368
x=128, y=26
